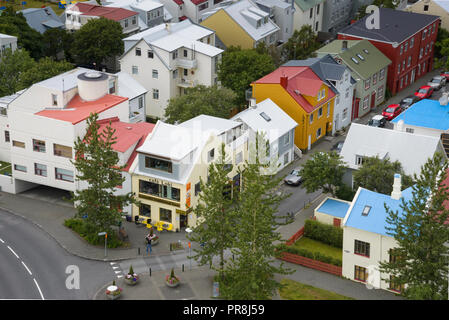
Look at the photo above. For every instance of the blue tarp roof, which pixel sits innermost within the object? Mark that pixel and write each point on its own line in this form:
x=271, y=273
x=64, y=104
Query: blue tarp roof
x=426, y=113
x=334, y=208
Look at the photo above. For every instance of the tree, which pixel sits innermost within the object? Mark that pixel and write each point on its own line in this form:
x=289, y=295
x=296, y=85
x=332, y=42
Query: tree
x=421, y=232
x=57, y=43
x=324, y=170
x=216, y=217
x=239, y=68
x=97, y=168
x=302, y=44
x=97, y=40
x=44, y=69
x=251, y=275
x=12, y=67
x=442, y=48
x=378, y=175
x=273, y=51
x=212, y=101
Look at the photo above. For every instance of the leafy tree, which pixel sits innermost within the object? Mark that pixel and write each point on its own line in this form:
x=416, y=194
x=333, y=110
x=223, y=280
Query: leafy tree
x=97, y=168
x=324, y=170
x=302, y=44
x=15, y=24
x=57, y=42
x=273, y=51
x=378, y=175
x=12, y=67
x=216, y=217
x=239, y=68
x=251, y=275
x=421, y=233
x=44, y=69
x=212, y=101
x=98, y=40
x=442, y=48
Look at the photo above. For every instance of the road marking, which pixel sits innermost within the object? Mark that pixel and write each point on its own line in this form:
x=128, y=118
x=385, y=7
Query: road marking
x=115, y=267
x=119, y=276
x=40, y=292
x=1, y=240
x=13, y=252
x=27, y=268
x=117, y=272
x=111, y=263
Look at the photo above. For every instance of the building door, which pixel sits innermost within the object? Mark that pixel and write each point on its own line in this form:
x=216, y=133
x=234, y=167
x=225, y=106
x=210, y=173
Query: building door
x=337, y=222
x=373, y=99
x=183, y=223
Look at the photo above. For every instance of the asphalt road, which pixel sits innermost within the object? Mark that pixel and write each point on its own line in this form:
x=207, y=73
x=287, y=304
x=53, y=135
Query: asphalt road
x=33, y=265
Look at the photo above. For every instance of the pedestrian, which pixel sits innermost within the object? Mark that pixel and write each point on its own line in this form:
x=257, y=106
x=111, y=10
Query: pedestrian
x=149, y=239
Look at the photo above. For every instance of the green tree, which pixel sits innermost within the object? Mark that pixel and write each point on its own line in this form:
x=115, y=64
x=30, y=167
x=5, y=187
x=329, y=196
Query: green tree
x=217, y=219
x=378, y=175
x=302, y=44
x=97, y=169
x=239, y=68
x=273, y=51
x=12, y=67
x=57, y=43
x=98, y=40
x=251, y=275
x=212, y=101
x=44, y=69
x=421, y=233
x=324, y=170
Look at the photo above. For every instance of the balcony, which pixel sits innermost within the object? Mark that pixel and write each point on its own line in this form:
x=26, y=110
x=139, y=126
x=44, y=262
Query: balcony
x=186, y=63
x=186, y=83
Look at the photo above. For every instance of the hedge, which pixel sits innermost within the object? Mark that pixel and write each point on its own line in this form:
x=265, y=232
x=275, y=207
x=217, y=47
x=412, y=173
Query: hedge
x=80, y=227
x=309, y=254
x=325, y=233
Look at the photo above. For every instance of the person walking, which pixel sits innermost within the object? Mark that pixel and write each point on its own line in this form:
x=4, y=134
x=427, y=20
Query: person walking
x=149, y=239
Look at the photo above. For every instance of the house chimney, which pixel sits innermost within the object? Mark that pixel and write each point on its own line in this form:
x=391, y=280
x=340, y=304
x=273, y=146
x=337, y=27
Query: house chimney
x=284, y=81
x=344, y=45
x=396, y=194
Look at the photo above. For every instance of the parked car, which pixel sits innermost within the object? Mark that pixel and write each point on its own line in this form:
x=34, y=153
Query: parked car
x=445, y=74
x=424, y=92
x=377, y=121
x=294, y=178
x=437, y=82
x=391, y=111
x=338, y=146
x=408, y=101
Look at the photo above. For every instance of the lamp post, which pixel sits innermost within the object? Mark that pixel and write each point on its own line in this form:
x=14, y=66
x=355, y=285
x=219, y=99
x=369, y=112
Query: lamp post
x=105, y=234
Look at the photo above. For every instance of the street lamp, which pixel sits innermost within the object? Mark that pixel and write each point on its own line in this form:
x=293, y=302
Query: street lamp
x=105, y=234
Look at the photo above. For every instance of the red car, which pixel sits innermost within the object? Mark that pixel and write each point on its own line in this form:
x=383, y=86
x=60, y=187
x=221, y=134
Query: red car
x=445, y=74
x=424, y=92
x=391, y=111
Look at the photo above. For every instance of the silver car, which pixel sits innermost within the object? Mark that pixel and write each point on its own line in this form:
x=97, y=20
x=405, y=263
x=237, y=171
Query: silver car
x=294, y=178
x=437, y=82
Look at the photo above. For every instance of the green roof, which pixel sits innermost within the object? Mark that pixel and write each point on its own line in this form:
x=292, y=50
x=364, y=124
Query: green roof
x=373, y=59
x=307, y=4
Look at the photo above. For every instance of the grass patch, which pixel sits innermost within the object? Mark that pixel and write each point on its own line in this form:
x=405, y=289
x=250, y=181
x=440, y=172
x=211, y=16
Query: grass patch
x=34, y=4
x=316, y=246
x=293, y=290
x=5, y=168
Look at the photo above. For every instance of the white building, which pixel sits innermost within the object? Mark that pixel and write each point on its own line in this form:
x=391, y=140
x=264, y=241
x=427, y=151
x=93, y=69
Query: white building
x=275, y=125
x=7, y=42
x=309, y=12
x=170, y=58
x=282, y=14
x=135, y=92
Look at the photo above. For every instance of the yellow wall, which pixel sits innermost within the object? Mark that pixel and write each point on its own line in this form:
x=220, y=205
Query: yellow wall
x=433, y=9
x=286, y=102
x=229, y=32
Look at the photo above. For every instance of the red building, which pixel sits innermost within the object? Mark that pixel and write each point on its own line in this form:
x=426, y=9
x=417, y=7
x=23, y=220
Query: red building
x=406, y=38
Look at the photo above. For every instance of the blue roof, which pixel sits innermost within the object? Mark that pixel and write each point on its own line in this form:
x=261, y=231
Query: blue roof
x=426, y=113
x=334, y=208
x=375, y=221
x=41, y=19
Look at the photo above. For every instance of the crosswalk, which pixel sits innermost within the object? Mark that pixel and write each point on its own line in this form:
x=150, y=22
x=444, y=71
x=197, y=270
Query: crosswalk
x=117, y=270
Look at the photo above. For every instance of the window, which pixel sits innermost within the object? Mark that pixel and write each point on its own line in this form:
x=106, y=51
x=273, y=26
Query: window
x=138, y=52
x=403, y=65
x=164, y=215
x=367, y=84
x=382, y=74
x=54, y=99
x=134, y=21
x=318, y=9
x=320, y=112
x=345, y=113
x=175, y=73
x=360, y=247
x=433, y=28
x=175, y=54
x=401, y=84
x=7, y=138
x=360, y=273
x=366, y=211
x=406, y=47
x=412, y=42
x=140, y=102
x=135, y=70
x=111, y=87
x=399, y=68
x=317, y=25
x=64, y=175
x=18, y=144
x=395, y=286
x=358, y=160
x=186, y=72
x=158, y=164
x=374, y=78
x=126, y=23
x=203, y=6
x=424, y=34
x=421, y=52
x=197, y=188
x=380, y=93
x=40, y=169
x=238, y=157
x=155, y=74
x=287, y=139
x=20, y=168
x=311, y=117
x=366, y=102
x=62, y=151
x=311, y=13
x=402, y=49
x=38, y=145
x=210, y=155
x=409, y=130
x=155, y=94
x=150, y=54
x=426, y=7
x=347, y=93
x=145, y=210
x=318, y=133
x=185, y=53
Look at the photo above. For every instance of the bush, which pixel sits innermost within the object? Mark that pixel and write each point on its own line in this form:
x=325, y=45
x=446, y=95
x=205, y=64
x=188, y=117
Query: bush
x=311, y=255
x=325, y=233
x=345, y=192
x=90, y=235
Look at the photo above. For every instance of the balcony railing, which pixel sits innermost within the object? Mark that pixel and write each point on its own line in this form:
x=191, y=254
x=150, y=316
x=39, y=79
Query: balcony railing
x=186, y=83
x=186, y=63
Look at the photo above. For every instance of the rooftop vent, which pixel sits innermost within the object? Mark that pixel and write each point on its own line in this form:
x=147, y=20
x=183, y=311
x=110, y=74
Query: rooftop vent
x=366, y=210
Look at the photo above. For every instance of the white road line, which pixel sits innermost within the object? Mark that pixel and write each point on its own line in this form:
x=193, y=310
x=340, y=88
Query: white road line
x=27, y=268
x=117, y=272
x=1, y=240
x=119, y=276
x=40, y=292
x=13, y=252
x=111, y=263
x=115, y=267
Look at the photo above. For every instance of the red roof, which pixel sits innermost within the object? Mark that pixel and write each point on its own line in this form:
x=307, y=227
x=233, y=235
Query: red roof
x=179, y=2
x=182, y=18
x=111, y=13
x=197, y=2
x=128, y=134
x=300, y=81
x=78, y=110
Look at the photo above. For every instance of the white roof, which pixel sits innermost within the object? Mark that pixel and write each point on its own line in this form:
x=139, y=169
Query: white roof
x=274, y=3
x=64, y=81
x=7, y=36
x=128, y=87
x=207, y=123
x=443, y=4
x=279, y=122
x=411, y=150
x=6, y=100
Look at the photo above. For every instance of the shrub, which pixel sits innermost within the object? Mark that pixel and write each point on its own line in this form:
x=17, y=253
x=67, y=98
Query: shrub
x=345, y=192
x=325, y=233
x=311, y=255
x=90, y=235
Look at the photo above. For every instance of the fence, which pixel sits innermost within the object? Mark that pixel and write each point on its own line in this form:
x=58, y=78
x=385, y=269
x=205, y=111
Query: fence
x=295, y=237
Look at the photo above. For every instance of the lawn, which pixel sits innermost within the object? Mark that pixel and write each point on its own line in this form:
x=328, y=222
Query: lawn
x=293, y=290
x=5, y=168
x=34, y=4
x=316, y=246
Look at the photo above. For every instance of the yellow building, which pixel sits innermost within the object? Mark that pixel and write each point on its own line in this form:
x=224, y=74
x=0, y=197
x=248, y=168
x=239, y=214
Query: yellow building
x=300, y=93
x=242, y=24
x=432, y=7
x=166, y=178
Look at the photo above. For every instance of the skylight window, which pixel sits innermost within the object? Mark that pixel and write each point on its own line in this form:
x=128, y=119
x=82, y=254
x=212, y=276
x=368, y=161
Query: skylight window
x=366, y=51
x=265, y=116
x=360, y=56
x=355, y=60
x=366, y=210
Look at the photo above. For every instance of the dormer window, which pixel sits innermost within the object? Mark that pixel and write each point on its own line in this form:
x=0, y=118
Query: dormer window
x=259, y=23
x=265, y=20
